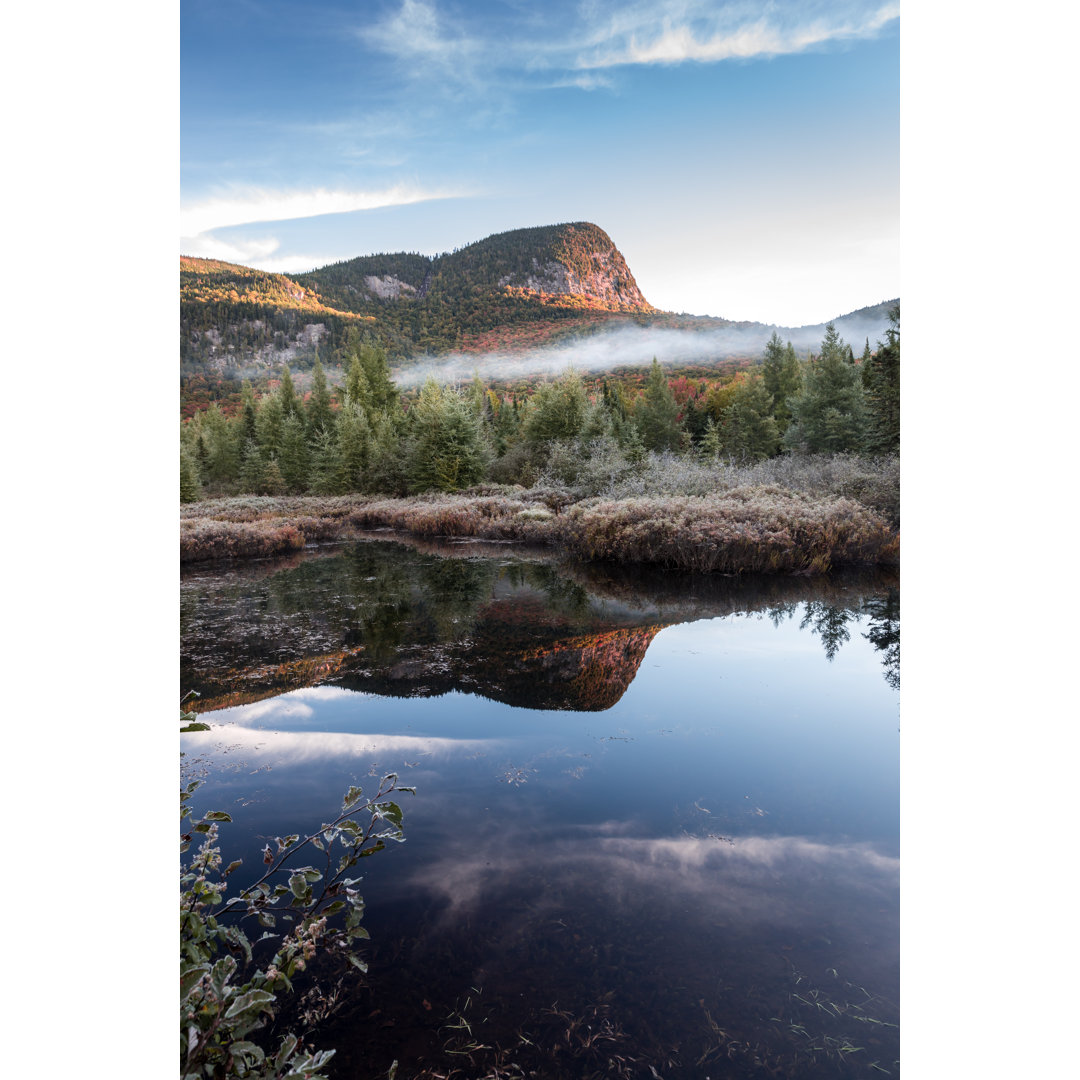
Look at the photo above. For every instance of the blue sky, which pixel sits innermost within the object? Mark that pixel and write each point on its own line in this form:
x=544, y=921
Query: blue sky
x=743, y=156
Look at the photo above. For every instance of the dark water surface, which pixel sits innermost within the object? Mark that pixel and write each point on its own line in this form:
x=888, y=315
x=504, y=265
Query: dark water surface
x=656, y=822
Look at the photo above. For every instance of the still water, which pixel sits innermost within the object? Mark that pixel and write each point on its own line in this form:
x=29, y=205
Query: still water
x=655, y=829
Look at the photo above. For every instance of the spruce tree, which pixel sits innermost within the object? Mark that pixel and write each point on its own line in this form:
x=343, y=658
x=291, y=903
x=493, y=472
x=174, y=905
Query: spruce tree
x=881, y=378
x=190, y=484
x=269, y=424
x=657, y=413
x=326, y=475
x=710, y=446
x=749, y=430
x=320, y=416
x=290, y=403
x=557, y=409
x=780, y=372
x=293, y=459
x=829, y=416
x=353, y=445
x=446, y=450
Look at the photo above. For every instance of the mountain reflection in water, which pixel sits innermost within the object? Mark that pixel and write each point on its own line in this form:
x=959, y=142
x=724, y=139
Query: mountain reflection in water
x=656, y=825
x=393, y=620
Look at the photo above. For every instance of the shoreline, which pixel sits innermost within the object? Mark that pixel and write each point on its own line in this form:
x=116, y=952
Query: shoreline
x=747, y=529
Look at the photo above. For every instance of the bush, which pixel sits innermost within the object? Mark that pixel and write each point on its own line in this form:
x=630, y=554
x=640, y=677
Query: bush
x=224, y=1002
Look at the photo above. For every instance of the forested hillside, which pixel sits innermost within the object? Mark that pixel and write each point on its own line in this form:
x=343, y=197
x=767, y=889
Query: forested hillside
x=368, y=436
x=512, y=292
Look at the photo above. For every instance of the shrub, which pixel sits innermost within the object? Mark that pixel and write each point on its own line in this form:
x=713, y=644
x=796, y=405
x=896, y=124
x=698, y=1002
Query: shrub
x=225, y=1002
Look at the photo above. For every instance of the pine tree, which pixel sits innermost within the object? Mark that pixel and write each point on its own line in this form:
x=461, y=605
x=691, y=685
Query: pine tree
x=383, y=395
x=750, y=430
x=446, y=450
x=269, y=424
x=710, y=446
x=353, y=446
x=881, y=378
x=326, y=475
x=557, y=409
x=294, y=460
x=248, y=421
x=290, y=403
x=829, y=416
x=320, y=416
x=252, y=477
x=190, y=484
x=782, y=378
x=657, y=413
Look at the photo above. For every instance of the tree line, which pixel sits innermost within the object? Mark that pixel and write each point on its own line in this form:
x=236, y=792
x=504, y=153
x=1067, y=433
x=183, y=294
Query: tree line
x=366, y=436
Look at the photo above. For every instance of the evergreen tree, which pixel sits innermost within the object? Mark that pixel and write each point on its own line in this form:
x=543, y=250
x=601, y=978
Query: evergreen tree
x=326, y=475
x=269, y=422
x=881, y=378
x=749, y=429
x=710, y=446
x=557, y=409
x=446, y=450
x=782, y=378
x=357, y=393
x=248, y=421
x=294, y=460
x=829, y=416
x=383, y=396
x=353, y=446
x=290, y=403
x=190, y=484
x=252, y=477
x=771, y=365
x=386, y=464
x=320, y=417
x=657, y=413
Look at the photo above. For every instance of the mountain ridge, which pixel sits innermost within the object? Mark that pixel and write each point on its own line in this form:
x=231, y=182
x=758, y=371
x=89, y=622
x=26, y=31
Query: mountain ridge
x=510, y=292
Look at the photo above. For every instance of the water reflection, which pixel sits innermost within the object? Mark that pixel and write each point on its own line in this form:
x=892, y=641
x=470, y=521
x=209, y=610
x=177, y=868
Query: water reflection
x=656, y=822
x=401, y=621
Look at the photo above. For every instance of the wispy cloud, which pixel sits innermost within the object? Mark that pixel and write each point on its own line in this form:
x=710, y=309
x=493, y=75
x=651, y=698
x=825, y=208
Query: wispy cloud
x=252, y=205
x=200, y=220
x=677, y=33
x=424, y=37
x=604, y=34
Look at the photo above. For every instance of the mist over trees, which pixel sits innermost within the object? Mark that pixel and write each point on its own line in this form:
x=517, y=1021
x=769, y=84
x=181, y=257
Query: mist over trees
x=368, y=437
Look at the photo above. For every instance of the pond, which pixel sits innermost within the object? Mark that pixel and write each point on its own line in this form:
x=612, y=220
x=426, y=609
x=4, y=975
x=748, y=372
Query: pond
x=656, y=822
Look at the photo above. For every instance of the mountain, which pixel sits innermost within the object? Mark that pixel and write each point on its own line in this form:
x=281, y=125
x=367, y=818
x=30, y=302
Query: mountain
x=236, y=316
x=572, y=266
x=512, y=291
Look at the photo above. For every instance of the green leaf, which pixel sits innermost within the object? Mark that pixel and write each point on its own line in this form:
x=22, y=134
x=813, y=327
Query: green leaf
x=248, y=1050
x=194, y=727
x=252, y=1000
x=352, y=796
x=299, y=886
x=356, y=963
x=217, y=815
x=190, y=978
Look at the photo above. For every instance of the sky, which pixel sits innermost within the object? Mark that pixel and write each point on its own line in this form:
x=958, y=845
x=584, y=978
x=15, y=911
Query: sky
x=743, y=156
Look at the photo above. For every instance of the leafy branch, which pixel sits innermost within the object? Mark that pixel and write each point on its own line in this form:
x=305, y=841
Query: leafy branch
x=219, y=1007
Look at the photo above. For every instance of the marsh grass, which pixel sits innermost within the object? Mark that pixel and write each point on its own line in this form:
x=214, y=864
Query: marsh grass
x=787, y=515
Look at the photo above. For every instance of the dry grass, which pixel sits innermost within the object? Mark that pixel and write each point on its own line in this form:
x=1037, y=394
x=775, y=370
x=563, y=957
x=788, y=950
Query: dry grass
x=755, y=527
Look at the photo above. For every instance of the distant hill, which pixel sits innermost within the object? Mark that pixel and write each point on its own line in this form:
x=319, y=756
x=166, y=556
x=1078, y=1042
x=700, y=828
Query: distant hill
x=512, y=292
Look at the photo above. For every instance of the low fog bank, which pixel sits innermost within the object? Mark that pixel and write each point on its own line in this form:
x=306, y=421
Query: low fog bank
x=634, y=346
